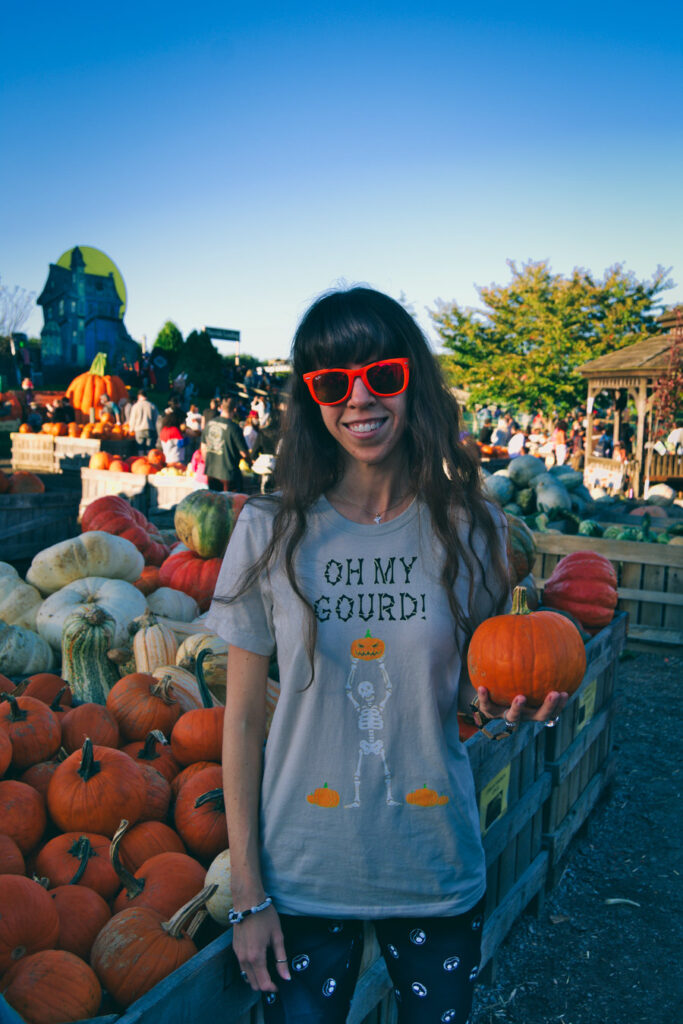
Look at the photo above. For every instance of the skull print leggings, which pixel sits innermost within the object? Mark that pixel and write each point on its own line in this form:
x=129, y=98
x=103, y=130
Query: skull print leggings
x=432, y=963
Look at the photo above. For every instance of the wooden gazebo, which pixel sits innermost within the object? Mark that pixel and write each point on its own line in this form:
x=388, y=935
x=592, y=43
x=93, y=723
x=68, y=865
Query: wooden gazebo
x=634, y=370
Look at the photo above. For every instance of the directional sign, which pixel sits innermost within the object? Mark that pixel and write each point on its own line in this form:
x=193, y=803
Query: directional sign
x=222, y=334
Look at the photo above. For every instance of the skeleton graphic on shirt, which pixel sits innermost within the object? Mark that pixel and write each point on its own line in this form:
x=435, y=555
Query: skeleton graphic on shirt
x=370, y=716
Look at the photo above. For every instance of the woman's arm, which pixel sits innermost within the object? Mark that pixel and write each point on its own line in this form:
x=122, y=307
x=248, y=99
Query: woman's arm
x=243, y=736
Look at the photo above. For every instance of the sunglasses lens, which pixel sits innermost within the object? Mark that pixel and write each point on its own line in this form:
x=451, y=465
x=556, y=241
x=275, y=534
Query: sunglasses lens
x=386, y=378
x=330, y=386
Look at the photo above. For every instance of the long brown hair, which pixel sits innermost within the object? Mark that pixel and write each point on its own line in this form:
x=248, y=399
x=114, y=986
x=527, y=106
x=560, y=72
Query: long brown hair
x=357, y=326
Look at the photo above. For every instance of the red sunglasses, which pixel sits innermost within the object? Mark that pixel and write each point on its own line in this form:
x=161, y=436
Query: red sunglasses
x=385, y=379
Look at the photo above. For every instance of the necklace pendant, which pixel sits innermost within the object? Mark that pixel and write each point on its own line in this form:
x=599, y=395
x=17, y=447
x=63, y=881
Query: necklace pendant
x=378, y=518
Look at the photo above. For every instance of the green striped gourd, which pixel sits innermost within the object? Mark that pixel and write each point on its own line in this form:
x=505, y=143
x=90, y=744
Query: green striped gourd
x=87, y=636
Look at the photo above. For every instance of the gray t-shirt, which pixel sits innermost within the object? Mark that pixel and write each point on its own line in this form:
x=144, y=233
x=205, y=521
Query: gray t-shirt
x=367, y=804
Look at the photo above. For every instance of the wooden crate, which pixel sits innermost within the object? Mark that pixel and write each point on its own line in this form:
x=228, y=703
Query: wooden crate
x=73, y=453
x=649, y=578
x=579, y=754
x=166, y=491
x=33, y=452
x=31, y=522
x=95, y=483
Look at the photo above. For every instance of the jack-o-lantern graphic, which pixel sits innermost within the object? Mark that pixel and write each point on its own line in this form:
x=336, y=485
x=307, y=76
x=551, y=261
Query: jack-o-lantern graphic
x=367, y=648
x=426, y=797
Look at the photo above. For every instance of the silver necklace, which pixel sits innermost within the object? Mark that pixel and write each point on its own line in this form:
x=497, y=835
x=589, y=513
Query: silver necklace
x=376, y=516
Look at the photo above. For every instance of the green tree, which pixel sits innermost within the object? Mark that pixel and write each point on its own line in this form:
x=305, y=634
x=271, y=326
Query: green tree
x=202, y=362
x=523, y=348
x=170, y=340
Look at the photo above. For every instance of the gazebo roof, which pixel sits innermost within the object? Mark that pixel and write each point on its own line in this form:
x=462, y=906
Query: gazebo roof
x=647, y=357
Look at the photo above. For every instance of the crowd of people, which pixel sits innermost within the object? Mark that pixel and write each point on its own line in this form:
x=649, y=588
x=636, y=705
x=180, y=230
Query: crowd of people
x=557, y=439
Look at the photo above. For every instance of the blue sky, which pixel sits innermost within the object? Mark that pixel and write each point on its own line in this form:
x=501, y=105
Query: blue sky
x=235, y=160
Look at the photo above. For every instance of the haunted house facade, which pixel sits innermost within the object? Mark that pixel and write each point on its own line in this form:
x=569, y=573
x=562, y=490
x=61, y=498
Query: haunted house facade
x=82, y=315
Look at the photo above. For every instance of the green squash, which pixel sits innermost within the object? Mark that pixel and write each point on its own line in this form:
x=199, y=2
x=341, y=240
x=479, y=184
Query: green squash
x=524, y=469
x=521, y=549
x=204, y=520
x=589, y=528
x=87, y=637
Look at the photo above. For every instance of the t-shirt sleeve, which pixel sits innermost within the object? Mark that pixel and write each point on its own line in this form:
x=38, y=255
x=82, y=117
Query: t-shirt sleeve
x=246, y=621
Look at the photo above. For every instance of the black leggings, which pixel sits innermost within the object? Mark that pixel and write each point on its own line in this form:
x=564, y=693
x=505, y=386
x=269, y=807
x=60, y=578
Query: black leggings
x=432, y=963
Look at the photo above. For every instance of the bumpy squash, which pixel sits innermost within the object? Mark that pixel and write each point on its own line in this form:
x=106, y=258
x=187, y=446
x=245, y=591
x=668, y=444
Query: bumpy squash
x=23, y=652
x=93, y=554
x=87, y=636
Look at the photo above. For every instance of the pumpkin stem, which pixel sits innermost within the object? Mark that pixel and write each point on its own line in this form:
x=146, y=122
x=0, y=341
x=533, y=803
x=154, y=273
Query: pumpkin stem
x=41, y=880
x=163, y=690
x=16, y=714
x=99, y=365
x=89, y=766
x=212, y=794
x=148, y=752
x=133, y=886
x=82, y=849
x=144, y=621
x=95, y=615
x=56, y=706
x=207, y=699
x=176, y=925
x=519, y=602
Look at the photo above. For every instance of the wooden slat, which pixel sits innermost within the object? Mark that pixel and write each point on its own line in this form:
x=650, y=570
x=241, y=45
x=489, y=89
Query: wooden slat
x=615, y=550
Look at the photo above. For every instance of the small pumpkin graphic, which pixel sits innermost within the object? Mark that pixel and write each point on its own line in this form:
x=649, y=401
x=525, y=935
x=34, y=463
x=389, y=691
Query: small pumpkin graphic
x=367, y=647
x=426, y=797
x=324, y=797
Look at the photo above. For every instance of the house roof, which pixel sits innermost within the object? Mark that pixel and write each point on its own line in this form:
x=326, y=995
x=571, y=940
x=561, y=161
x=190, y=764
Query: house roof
x=647, y=357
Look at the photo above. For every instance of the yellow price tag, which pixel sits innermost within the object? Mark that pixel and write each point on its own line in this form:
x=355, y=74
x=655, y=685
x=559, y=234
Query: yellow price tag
x=493, y=800
x=586, y=705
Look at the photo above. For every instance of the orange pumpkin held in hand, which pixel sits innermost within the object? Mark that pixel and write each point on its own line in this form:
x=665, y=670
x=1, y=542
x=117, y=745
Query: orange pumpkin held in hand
x=324, y=797
x=526, y=652
x=367, y=647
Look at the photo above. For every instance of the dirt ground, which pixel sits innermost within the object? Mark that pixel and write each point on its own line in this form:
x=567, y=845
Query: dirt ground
x=606, y=947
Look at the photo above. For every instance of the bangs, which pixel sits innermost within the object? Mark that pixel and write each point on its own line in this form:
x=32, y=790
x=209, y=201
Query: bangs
x=344, y=328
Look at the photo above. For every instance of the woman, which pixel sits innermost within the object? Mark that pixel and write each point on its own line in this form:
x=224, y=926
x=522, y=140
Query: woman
x=368, y=571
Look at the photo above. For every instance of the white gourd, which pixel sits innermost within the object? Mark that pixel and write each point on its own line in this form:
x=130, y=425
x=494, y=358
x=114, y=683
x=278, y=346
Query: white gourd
x=19, y=601
x=23, y=652
x=94, y=553
x=173, y=604
x=121, y=600
x=153, y=643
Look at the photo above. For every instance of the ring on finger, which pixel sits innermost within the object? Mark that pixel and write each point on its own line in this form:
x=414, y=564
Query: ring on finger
x=552, y=722
x=243, y=975
x=509, y=726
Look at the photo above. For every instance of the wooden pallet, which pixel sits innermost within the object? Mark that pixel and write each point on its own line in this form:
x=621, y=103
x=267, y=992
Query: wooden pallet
x=31, y=522
x=34, y=453
x=579, y=749
x=649, y=578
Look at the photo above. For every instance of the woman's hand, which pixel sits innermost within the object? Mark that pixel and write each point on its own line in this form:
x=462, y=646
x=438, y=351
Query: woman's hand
x=251, y=940
x=518, y=711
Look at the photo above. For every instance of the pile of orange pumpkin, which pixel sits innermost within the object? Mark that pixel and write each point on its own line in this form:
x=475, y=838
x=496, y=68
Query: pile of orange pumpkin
x=145, y=464
x=110, y=816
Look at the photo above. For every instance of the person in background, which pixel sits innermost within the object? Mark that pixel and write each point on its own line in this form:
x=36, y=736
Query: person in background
x=558, y=440
x=108, y=405
x=63, y=411
x=211, y=412
x=193, y=428
x=486, y=431
x=517, y=443
x=253, y=435
x=223, y=445
x=173, y=442
x=374, y=484
x=143, y=419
